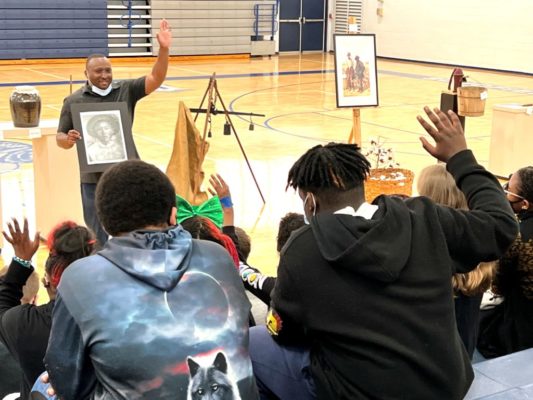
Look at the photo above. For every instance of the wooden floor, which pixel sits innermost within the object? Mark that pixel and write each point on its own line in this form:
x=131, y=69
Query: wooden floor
x=298, y=97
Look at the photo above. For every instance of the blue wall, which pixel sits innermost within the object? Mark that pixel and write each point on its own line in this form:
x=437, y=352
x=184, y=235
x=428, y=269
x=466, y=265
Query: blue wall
x=52, y=28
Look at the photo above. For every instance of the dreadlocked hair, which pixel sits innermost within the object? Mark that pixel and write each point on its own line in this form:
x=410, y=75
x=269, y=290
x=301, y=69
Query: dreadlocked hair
x=339, y=166
x=67, y=242
x=526, y=182
x=204, y=229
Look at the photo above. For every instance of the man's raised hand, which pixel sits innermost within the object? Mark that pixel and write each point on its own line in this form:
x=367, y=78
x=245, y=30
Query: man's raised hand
x=164, y=36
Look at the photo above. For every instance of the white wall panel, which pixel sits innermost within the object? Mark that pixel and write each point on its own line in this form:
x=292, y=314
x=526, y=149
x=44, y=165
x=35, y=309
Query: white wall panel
x=481, y=33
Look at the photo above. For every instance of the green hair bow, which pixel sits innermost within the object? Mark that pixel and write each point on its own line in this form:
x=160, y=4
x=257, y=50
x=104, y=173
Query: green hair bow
x=210, y=208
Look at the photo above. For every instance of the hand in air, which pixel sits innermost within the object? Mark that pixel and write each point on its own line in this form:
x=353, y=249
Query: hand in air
x=218, y=187
x=24, y=246
x=164, y=36
x=446, y=131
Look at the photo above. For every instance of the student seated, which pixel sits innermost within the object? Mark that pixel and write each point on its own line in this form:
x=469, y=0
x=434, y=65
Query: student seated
x=255, y=281
x=509, y=326
x=363, y=306
x=25, y=328
x=165, y=316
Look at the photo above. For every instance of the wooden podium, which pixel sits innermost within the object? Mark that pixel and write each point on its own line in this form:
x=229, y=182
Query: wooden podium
x=512, y=131
x=56, y=176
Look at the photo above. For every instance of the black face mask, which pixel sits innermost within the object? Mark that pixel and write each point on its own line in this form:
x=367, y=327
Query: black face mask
x=506, y=190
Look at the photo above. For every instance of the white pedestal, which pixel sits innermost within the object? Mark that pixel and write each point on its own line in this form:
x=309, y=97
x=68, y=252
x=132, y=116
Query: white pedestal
x=56, y=175
x=510, y=142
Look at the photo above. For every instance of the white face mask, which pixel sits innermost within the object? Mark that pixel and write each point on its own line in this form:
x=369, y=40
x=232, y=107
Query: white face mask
x=306, y=221
x=101, y=92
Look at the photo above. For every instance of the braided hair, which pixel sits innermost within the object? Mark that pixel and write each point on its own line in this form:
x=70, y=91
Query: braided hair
x=337, y=166
x=526, y=182
x=67, y=242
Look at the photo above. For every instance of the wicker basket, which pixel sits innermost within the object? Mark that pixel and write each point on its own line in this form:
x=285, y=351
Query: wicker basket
x=381, y=181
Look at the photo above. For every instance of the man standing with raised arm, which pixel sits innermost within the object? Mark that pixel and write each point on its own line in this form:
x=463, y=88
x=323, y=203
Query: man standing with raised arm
x=100, y=88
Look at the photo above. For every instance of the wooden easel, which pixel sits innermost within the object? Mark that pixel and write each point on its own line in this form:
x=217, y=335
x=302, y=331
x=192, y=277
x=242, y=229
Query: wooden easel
x=355, y=133
x=212, y=95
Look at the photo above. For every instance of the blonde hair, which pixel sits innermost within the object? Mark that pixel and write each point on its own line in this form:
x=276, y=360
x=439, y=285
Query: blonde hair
x=476, y=281
x=30, y=289
x=437, y=184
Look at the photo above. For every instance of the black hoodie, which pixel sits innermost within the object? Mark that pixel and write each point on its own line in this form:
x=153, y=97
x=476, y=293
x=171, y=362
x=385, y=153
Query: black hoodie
x=374, y=297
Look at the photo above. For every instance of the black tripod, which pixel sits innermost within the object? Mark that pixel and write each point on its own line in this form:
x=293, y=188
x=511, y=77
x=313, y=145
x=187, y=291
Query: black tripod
x=212, y=94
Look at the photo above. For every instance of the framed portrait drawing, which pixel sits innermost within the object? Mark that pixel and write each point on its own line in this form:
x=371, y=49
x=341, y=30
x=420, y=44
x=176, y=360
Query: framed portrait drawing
x=356, y=78
x=106, y=135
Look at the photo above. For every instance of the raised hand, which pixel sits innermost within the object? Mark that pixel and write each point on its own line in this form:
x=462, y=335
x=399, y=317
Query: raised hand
x=24, y=246
x=221, y=189
x=164, y=36
x=446, y=131
x=218, y=187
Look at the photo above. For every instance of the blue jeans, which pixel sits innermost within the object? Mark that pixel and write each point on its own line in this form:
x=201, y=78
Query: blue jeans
x=88, y=191
x=281, y=372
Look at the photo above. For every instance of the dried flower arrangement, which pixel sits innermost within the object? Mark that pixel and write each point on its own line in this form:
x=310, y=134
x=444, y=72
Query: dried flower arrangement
x=383, y=158
x=385, y=177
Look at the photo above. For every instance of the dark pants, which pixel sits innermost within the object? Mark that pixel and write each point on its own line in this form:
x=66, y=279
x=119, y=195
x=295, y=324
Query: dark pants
x=467, y=318
x=281, y=372
x=88, y=191
x=10, y=373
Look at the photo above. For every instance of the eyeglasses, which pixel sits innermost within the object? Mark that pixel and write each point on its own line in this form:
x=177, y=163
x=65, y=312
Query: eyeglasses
x=505, y=187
